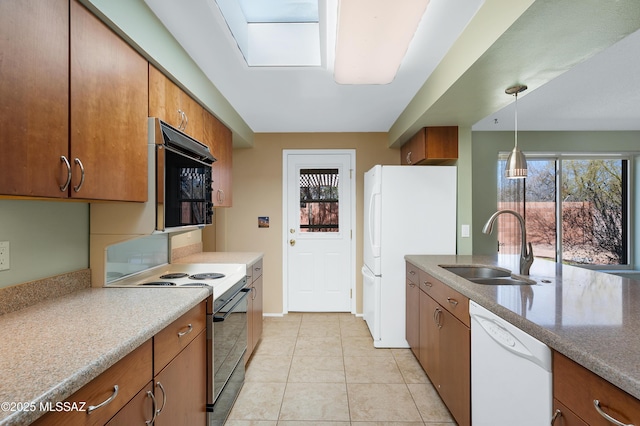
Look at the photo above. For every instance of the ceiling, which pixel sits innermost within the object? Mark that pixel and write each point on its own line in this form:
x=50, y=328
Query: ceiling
x=559, y=49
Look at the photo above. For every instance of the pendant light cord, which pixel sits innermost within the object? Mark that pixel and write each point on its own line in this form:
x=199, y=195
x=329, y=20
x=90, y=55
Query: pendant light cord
x=516, y=124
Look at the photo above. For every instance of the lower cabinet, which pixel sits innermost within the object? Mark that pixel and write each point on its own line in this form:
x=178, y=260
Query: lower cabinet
x=576, y=391
x=254, y=308
x=162, y=382
x=444, y=340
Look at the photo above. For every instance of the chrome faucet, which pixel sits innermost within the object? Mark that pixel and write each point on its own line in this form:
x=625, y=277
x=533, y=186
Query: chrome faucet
x=526, y=251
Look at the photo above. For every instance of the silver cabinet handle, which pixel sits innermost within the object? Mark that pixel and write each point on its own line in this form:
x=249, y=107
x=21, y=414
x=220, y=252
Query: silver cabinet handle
x=186, y=120
x=254, y=293
x=409, y=157
x=428, y=284
x=411, y=284
x=79, y=163
x=220, y=196
x=164, y=398
x=412, y=272
x=155, y=407
x=66, y=163
x=181, y=113
x=91, y=408
x=184, y=333
x=596, y=404
x=556, y=415
x=454, y=302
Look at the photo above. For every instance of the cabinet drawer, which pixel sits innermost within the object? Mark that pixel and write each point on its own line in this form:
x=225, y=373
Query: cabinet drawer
x=567, y=417
x=413, y=273
x=130, y=374
x=577, y=388
x=256, y=270
x=174, y=338
x=450, y=299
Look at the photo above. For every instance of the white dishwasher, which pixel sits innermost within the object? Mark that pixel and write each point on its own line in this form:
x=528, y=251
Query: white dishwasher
x=511, y=380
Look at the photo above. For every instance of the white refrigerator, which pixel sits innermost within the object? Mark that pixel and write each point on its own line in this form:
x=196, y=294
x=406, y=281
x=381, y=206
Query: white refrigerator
x=407, y=210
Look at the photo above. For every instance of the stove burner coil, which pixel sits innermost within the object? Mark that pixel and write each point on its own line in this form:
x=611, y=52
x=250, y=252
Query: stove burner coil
x=207, y=276
x=162, y=283
x=174, y=275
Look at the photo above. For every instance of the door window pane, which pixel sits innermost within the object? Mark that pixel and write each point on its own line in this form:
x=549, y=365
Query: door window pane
x=319, y=200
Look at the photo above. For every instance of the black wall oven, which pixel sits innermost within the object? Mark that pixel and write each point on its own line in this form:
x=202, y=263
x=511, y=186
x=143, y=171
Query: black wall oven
x=229, y=344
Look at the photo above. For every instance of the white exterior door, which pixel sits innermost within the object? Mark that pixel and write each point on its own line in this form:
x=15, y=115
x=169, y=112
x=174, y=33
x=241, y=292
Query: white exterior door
x=318, y=233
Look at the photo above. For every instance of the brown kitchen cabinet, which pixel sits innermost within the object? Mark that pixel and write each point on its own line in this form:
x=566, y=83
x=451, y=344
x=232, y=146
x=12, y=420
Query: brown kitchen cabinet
x=431, y=145
x=34, y=97
x=412, y=310
x=73, y=112
x=170, y=369
x=174, y=106
x=109, y=98
x=444, y=340
x=575, y=390
x=254, y=308
x=180, y=388
x=130, y=375
x=220, y=141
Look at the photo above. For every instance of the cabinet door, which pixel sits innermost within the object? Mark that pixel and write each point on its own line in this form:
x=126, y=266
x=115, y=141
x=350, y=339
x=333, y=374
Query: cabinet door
x=413, y=317
x=109, y=105
x=194, y=117
x=182, y=387
x=455, y=367
x=164, y=98
x=219, y=139
x=34, y=96
x=139, y=411
x=429, y=337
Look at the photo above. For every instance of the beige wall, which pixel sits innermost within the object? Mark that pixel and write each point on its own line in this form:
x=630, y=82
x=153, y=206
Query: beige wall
x=257, y=191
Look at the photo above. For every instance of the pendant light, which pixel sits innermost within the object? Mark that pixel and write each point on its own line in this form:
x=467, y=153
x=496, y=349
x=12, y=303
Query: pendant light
x=516, y=162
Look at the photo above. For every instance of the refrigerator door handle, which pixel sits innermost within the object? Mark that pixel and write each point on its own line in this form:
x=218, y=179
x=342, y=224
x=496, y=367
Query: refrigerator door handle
x=366, y=273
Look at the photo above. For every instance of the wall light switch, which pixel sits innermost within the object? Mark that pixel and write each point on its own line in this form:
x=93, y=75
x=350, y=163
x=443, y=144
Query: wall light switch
x=464, y=231
x=4, y=255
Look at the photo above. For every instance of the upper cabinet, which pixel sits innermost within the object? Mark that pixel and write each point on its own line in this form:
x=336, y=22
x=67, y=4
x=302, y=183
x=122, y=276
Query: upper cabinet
x=73, y=105
x=109, y=99
x=34, y=97
x=431, y=145
x=172, y=105
x=219, y=139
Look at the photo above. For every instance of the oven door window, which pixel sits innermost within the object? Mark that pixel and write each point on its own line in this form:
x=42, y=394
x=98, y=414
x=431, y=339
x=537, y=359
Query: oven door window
x=229, y=339
x=187, y=191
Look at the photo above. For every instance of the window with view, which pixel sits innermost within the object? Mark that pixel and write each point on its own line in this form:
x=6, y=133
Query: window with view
x=575, y=209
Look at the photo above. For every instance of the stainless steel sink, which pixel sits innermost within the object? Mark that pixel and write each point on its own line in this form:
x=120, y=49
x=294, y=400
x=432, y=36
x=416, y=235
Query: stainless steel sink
x=502, y=281
x=477, y=271
x=488, y=275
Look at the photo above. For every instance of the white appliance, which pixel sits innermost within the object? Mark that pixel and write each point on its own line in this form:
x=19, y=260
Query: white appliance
x=407, y=210
x=511, y=381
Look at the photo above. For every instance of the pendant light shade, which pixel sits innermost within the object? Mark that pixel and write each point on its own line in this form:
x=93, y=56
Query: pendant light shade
x=516, y=162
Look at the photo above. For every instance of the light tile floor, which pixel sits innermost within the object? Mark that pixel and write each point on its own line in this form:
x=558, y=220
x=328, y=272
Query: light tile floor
x=321, y=369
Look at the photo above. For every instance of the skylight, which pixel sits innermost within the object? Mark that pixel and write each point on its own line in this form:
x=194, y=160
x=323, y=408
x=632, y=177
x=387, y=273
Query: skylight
x=274, y=32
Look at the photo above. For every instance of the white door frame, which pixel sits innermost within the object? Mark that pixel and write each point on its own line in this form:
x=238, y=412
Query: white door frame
x=285, y=222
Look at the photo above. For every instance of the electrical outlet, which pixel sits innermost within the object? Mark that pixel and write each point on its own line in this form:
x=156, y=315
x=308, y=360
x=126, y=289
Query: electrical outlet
x=4, y=256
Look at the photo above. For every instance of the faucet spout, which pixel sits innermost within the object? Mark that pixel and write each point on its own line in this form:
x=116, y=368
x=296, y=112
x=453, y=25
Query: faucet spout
x=526, y=251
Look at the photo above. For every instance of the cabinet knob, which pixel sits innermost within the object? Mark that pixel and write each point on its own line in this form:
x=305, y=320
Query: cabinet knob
x=292, y=242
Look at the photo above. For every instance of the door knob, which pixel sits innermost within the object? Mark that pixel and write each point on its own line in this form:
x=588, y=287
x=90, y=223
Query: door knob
x=292, y=242
x=292, y=231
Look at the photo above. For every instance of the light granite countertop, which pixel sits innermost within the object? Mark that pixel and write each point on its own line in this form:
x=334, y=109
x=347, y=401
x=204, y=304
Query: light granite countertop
x=591, y=317
x=53, y=348
x=248, y=258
